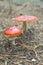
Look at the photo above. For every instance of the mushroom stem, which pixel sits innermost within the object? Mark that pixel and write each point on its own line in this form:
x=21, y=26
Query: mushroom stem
x=13, y=40
x=24, y=26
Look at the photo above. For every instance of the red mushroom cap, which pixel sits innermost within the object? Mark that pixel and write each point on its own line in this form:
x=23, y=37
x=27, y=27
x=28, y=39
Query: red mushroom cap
x=25, y=18
x=12, y=31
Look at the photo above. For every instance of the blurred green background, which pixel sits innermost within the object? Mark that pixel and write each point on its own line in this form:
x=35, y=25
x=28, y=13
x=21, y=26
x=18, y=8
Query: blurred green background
x=23, y=1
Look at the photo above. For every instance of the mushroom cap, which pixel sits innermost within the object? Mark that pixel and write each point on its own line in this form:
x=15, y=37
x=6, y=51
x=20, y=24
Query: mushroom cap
x=25, y=18
x=12, y=31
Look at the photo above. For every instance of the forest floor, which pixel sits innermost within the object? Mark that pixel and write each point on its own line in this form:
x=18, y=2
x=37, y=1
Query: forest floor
x=29, y=48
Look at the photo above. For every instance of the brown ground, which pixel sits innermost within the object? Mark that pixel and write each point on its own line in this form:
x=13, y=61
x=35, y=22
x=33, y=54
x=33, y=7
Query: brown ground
x=30, y=44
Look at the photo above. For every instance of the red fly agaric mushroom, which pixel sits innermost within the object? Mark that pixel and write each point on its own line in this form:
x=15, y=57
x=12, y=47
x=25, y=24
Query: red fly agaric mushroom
x=12, y=32
x=24, y=19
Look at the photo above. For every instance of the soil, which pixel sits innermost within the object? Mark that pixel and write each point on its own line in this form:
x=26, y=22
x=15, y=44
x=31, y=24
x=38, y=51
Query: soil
x=29, y=47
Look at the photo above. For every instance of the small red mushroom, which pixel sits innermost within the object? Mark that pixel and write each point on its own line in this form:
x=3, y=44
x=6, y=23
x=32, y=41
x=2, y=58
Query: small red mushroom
x=24, y=19
x=12, y=32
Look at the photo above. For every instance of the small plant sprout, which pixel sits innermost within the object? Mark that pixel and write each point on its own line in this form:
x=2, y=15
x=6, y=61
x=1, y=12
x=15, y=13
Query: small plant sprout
x=12, y=33
x=24, y=19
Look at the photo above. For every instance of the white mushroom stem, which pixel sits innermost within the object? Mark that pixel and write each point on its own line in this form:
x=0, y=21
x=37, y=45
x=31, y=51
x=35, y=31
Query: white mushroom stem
x=13, y=40
x=24, y=26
